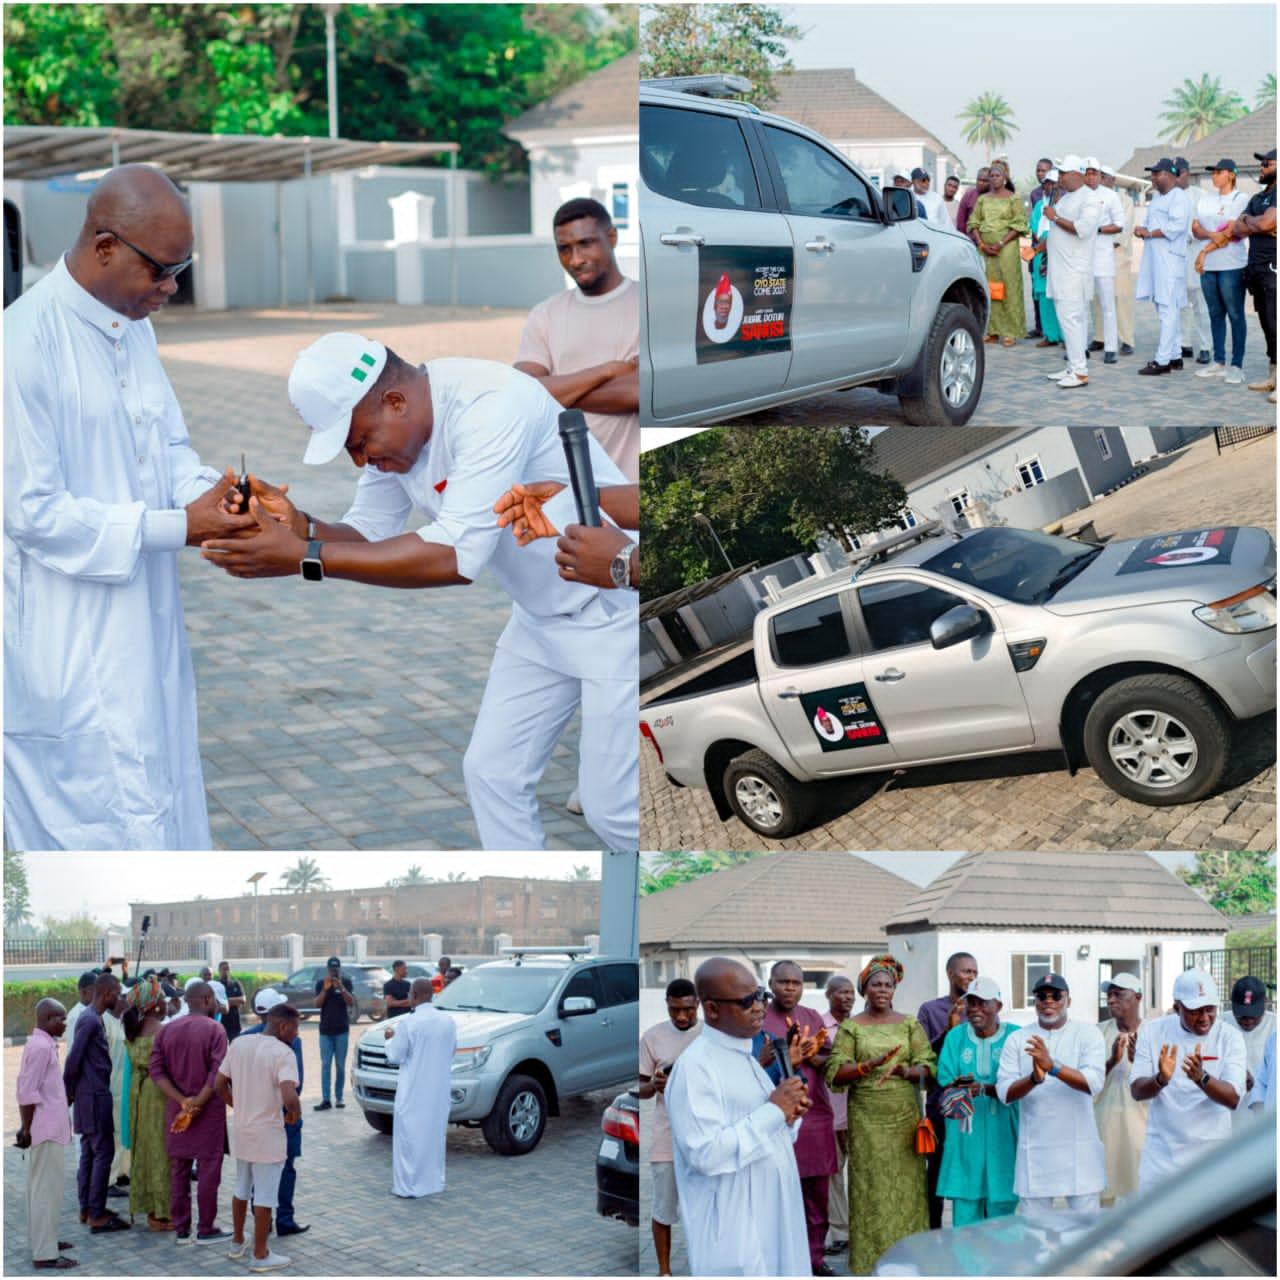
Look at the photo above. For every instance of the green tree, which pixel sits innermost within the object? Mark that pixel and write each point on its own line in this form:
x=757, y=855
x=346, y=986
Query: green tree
x=1266, y=95
x=582, y=873
x=701, y=39
x=75, y=927
x=988, y=122
x=1198, y=107
x=304, y=877
x=678, y=866
x=1237, y=884
x=17, y=894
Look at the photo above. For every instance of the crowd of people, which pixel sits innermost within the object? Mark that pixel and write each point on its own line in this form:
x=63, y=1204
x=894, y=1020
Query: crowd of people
x=161, y=1080
x=783, y=1135
x=1204, y=251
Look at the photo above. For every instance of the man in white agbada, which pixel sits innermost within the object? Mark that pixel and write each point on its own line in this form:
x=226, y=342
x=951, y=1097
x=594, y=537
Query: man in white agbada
x=1190, y=1064
x=1069, y=267
x=1162, y=274
x=732, y=1134
x=1194, y=331
x=1122, y=1121
x=1059, y=1152
x=421, y=1044
x=1255, y=1022
x=1111, y=214
x=102, y=489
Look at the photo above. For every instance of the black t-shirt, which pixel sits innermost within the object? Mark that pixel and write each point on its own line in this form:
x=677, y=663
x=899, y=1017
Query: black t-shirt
x=231, y=1019
x=334, y=1019
x=399, y=988
x=1262, y=249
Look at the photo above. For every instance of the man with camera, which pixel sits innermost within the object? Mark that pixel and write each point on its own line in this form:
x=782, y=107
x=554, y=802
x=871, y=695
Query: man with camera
x=334, y=997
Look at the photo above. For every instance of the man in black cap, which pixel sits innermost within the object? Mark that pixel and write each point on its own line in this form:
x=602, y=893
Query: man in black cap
x=334, y=998
x=1255, y=1022
x=934, y=209
x=1162, y=276
x=1194, y=320
x=1258, y=222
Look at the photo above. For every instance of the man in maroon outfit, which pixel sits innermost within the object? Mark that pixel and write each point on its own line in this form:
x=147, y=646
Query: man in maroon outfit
x=816, y=1144
x=184, y=1065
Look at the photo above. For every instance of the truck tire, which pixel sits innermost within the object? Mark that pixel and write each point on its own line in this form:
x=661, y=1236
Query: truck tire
x=380, y=1121
x=954, y=366
x=765, y=796
x=1157, y=739
x=514, y=1126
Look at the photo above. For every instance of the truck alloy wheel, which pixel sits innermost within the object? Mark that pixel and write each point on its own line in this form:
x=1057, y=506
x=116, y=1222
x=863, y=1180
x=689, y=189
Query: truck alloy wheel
x=765, y=796
x=514, y=1126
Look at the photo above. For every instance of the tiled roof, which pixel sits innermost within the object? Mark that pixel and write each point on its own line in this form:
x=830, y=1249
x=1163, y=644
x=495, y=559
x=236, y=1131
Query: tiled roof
x=819, y=899
x=1236, y=141
x=606, y=99
x=913, y=455
x=1085, y=891
x=839, y=106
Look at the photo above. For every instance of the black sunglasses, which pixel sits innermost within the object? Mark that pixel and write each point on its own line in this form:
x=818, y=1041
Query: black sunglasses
x=1050, y=993
x=159, y=270
x=743, y=1002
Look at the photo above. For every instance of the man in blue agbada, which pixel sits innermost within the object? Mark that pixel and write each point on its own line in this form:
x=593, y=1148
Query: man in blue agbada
x=981, y=1145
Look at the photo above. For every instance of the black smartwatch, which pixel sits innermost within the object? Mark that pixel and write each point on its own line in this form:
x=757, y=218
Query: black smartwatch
x=312, y=566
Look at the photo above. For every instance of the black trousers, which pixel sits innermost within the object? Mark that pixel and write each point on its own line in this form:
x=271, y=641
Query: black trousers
x=1260, y=280
x=933, y=1167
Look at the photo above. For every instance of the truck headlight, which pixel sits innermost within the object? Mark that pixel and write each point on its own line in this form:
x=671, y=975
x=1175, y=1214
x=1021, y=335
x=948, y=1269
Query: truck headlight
x=471, y=1059
x=1252, y=610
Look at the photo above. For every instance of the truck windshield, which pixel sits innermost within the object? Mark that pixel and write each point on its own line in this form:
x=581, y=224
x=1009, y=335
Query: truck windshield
x=1018, y=564
x=500, y=989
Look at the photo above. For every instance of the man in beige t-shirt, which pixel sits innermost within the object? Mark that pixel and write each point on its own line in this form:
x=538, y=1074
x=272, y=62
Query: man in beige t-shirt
x=660, y=1046
x=583, y=344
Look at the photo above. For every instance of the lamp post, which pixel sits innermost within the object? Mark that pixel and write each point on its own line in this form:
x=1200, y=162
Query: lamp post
x=257, y=941
x=700, y=519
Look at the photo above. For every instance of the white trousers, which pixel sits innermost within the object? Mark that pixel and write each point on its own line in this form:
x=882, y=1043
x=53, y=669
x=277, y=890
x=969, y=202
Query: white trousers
x=1170, y=347
x=522, y=713
x=1105, y=291
x=46, y=1171
x=1194, y=321
x=1028, y=1203
x=1072, y=304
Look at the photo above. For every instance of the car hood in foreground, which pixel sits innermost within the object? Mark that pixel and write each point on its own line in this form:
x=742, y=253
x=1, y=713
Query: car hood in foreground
x=1202, y=565
x=475, y=1027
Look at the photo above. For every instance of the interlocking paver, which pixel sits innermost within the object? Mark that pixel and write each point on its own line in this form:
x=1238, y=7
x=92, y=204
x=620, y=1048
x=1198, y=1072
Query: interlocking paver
x=1030, y=801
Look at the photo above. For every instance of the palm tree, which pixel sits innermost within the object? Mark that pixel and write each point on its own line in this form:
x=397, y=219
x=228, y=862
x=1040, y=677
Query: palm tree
x=1266, y=91
x=1199, y=107
x=582, y=873
x=988, y=122
x=413, y=876
x=304, y=877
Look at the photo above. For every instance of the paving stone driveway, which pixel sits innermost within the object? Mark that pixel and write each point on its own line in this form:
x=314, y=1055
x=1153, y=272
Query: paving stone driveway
x=1030, y=801
x=334, y=715
x=527, y=1215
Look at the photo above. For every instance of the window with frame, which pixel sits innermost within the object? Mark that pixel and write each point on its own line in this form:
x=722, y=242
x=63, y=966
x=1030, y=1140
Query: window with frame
x=811, y=633
x=907, y=520
x=697, y=158
x=1030, y=472
x=1104, y=445
x=960, y=500
x=620, y=200
x=815, y=182
x=897, y=613
x=1026, y=968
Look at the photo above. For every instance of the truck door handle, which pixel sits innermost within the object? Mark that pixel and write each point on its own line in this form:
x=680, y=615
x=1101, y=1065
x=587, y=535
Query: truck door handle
x=682, y=237
x=892, y=675
x=788, y=693
x=820, y=246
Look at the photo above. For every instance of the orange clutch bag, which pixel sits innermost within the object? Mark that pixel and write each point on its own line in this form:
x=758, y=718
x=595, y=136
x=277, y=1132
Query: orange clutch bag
x=926, y=1139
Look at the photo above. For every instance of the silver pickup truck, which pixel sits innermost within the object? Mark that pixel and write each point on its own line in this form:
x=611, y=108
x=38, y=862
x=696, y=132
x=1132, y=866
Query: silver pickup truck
x=774, y=270
x=1136, y=656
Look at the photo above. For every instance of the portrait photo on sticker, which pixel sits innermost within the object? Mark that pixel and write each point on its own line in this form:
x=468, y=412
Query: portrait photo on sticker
x=722, y=311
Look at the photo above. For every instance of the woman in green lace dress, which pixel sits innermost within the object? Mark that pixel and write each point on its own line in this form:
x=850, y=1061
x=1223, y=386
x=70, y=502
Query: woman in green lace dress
x=882, y=1058
x=998, y=219
x=149, y=1171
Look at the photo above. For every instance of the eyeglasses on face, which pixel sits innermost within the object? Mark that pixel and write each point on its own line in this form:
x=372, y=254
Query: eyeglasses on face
x=159, y=270
x=743, y=1002
x=1050, y=993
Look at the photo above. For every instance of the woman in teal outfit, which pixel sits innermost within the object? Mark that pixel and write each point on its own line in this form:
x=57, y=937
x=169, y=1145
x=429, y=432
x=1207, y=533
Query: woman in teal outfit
x=1040, y=227
x=980, y=1148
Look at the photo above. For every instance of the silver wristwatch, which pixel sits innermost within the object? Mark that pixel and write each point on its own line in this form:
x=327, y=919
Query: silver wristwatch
x=620, y=569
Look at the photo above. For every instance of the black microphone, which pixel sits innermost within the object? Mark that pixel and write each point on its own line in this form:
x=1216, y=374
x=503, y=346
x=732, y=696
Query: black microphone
x=577, y=453
x=782, y=1052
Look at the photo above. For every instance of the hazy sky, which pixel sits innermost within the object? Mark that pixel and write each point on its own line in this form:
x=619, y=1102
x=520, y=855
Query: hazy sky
x=1084, y=77
x=63, y=884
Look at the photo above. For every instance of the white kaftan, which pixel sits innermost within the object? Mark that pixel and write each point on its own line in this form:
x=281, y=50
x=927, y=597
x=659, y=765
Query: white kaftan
x=1122, y=1122
x=422, y=1048
x=1183, y=1122
x=1255, y=1043
x=735, y=1167
x=1162, y=273
x=1059, y=1152
x=100, y=699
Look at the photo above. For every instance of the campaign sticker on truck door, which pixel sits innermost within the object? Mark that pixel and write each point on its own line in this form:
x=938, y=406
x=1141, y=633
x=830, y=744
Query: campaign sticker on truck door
x=744, y=302
x=843, y=718
x=1172, y=550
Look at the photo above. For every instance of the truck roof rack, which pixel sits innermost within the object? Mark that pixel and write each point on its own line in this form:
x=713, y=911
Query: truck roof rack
x=519, y=953
x=719, y=85
x=881, y=551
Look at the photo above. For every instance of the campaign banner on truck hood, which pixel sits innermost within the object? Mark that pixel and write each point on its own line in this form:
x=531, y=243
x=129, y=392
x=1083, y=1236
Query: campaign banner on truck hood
x=1171, y=550
x=744, y=302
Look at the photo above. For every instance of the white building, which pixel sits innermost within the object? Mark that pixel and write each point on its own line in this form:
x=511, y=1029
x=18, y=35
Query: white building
x=1086, y=916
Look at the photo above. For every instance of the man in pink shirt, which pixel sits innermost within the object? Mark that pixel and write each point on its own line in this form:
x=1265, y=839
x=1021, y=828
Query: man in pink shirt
x=45, y=1132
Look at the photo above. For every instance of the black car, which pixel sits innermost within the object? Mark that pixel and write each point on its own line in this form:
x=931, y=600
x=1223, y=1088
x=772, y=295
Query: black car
x=366, y=982
x=618, y=1160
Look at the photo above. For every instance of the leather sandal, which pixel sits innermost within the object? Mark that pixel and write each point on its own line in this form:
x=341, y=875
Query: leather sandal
x=55, y=1264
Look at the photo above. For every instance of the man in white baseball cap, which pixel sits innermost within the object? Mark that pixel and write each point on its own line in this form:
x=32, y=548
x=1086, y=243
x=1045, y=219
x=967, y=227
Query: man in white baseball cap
x=1069, y=267
x=1191, y=1066
x=1122, y=1120
x=449, y=438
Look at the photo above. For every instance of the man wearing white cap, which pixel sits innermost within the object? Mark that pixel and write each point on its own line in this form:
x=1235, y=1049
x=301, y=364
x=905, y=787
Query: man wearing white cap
x=450, y=437
x=1122, y=1120
x=1054, y=1068
x=1191, y=1065
x=1162, y=275
x=1111, y=214
x=1122, y=247
x=1069, y=281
